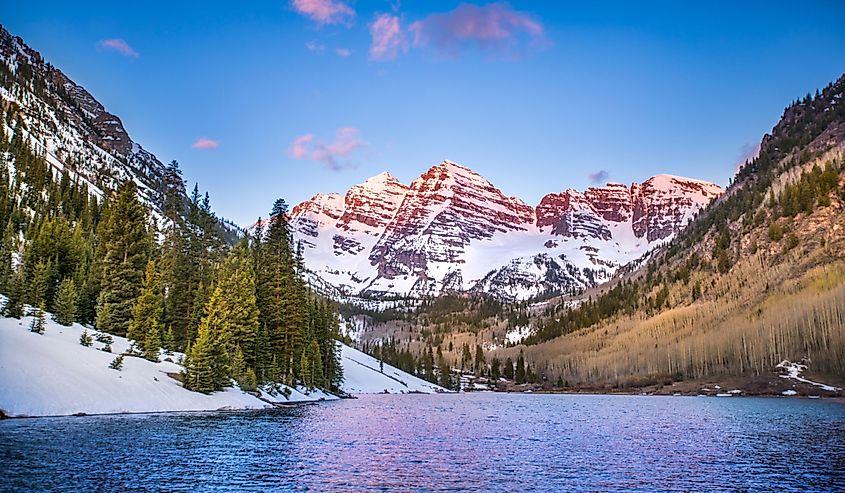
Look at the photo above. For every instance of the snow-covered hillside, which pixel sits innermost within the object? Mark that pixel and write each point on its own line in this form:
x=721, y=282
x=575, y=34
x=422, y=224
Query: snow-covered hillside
x=451, y=230
x=53, y=374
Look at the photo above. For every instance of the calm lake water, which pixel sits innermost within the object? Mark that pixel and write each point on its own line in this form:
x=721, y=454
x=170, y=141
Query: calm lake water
x=475, y=442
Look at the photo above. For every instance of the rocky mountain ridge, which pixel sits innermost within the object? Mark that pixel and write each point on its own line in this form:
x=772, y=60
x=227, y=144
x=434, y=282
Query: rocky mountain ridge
x=451, y=230
x=65, y=123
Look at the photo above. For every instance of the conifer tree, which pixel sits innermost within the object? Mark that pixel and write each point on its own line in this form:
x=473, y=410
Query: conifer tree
x=466, y=357
x=85, y=339
x=39, y=285
x=168, y=342
x=38, y=322
x=236, y=282
x=444, y=370
x=152, y=343
x=126, y=251
x=495, y=370
x=14, y=303
x=282, y=295
x=208, y=368
x=117, y=363
x=479, y=359
x=66, y=303
x=519, y=374
x=144, y=327
x=507, y=371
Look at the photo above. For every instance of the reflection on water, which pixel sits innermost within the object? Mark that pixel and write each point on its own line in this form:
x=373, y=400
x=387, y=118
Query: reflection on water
x=478, y=442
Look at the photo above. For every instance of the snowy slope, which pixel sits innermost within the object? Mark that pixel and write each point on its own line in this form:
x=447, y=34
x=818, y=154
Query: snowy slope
x=52, y=374
x=362, y=375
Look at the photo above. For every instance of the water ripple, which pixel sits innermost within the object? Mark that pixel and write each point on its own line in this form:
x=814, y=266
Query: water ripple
x=480, y=442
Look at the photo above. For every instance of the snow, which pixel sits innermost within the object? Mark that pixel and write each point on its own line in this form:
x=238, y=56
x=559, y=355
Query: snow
x=346, y=240
x=51, y=374
x=362, y=375
x=794, y=370
x=789, y=392
x=518, y=334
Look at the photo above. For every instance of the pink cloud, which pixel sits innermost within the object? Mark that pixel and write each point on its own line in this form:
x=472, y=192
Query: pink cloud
x=205, y=143
x=299, y=147
x=495, y=28
x=346, y=140
x=119, y=46
x=387, y=38
x=343, y=52
x=325, y=11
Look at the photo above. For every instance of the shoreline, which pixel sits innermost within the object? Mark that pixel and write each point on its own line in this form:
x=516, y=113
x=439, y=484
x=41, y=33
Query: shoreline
x=275, y=407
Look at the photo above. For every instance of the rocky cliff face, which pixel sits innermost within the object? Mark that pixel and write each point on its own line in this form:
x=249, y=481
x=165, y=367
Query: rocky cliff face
x=70, y=127
x=452, y=230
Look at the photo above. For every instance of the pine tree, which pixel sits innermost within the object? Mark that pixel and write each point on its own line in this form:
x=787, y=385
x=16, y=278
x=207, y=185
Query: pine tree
x=146, y=314
x=479, y=359
x=117, y=363
x=311, y=366
x=38, y=322
x=85, y=339
x=66, y=303
x=507, y=372
x=444, y=370
x=495, y=370
x=39, y=285
x=208, y=369
x=14, y=303
x=168, y=342
x=519, y=374
x=152, y=343
x=282, y=295
x=236, y=281
x=125, y=253
x=238, y=365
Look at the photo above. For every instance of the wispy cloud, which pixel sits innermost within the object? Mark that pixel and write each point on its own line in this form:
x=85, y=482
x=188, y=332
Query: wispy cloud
x=343, y=52
x=599, y=176
x=747, y=153
x=387, y=38
x=333, y=155
x=205, y=143
x=315, y=47
x=118, y=45
x=325, y=11
x=494, y=28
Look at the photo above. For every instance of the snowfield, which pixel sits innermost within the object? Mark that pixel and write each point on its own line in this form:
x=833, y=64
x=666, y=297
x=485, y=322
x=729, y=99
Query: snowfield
x=361, y=375
x=52, y=374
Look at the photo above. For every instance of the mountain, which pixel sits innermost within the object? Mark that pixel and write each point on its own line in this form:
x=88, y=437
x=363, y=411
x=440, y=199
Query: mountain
x=451, y=230
x=65, y=124
x=73, y=130
x=746, y=299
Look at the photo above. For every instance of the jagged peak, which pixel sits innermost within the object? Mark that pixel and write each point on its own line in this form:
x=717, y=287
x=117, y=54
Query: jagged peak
x=666, y=183
x=380, y=180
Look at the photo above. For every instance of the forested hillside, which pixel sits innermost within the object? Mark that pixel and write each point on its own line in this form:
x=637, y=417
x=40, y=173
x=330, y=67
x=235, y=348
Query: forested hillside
x=757, y=278
x=97, y=231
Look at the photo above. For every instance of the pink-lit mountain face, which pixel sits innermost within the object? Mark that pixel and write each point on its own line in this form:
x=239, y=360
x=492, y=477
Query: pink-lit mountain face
x=451, y=230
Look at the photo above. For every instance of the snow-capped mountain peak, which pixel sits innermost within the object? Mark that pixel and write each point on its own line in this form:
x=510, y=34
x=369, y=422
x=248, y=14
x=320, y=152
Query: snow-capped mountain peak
x=453, y=230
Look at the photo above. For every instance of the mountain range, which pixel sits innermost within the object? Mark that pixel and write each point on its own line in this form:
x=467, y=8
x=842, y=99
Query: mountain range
x=451, y=230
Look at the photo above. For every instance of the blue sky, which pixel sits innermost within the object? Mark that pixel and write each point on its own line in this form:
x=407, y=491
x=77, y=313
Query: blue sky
x=296, y=97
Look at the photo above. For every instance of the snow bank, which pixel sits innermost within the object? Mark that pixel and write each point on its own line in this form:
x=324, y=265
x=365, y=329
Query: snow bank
x=362, y=375
x=52, y=374
x=793, y=371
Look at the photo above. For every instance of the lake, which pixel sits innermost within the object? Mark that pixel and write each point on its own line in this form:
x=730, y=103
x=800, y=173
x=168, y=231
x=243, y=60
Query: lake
x=466, y=442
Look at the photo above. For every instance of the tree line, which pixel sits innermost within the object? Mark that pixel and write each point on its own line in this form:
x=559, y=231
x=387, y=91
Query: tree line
x=161, y=274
